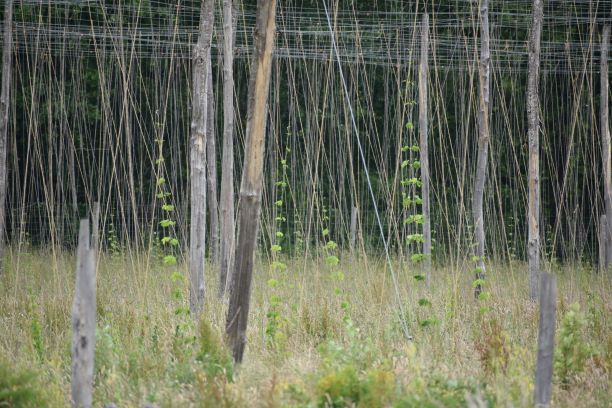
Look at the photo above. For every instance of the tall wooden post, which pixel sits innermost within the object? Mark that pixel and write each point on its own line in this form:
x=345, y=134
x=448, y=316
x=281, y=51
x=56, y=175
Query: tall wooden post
x=226, y=205
x=533, y=132
x=424, y=146
x=84, y=321
x=211, y=168
x=197, y=249
x=7, y=54
x=605, y=141
x=546, y=341
x=483, y=144
x=252, y=178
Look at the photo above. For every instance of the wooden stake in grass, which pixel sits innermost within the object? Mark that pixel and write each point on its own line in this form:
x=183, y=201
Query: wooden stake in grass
x=533, y=132
x=424, y=147
x=605, y=141
x=483, y=145
x=546, y=340
x=603, y=242
x=197, y=249
x=252, y=178
x=7, y=53
x=84, y=321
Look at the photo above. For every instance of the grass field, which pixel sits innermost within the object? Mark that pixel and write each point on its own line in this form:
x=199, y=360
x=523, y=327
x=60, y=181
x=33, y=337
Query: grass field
x=318, y=336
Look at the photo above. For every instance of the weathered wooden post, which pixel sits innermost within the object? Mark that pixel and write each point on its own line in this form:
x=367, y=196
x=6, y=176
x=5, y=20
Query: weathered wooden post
x=424, y=146
x=533, y=134
x=546, y=340
x=197, y=159
x=484, y=136
x=211, y=168
x=226, y=203
x=605, y=141
x=603, y=243
x=353, y=228
x=252, y=178
x=7, y=53
x=84, y=321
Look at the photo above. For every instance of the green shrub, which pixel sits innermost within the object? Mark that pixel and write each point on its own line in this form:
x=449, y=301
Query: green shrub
x=215, y=392
x=355, y=349
x=107, y=351
x=213, y=355
x=36, y=332
x=339, y=388
x=347, y=387
x=440, y=392
x=572, y=349
x=492, y=346
x=379, y=388
x=19, y=388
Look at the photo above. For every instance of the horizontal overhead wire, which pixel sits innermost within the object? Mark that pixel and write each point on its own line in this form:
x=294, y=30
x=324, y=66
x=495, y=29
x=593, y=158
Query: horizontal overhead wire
x=160, y=30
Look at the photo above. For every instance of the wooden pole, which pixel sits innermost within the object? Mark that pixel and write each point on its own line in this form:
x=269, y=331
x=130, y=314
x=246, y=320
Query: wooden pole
x=211, y=167
x=546, y=340
x=84, y=321
x=197, y=249
x=226, y=205
x=603, y=243
x=252, y=178
x=483, y=144
x=424, y=146
x=353, y=228
x=95, y=221
x=533, y=132
x=7, y=54
x=605, y=141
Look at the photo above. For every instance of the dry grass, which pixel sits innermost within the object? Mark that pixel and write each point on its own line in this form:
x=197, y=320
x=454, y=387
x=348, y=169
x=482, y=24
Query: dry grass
x=141, y=358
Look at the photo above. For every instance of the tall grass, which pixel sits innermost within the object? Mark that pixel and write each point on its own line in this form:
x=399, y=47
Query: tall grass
x=342, y=343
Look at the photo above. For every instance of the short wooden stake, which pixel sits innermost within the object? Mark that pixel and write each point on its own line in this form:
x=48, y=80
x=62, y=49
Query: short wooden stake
x=84, y=321
x=546, y=340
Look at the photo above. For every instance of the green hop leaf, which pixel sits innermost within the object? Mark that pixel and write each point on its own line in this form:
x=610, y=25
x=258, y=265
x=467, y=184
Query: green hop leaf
x=332, y=260
x=169, y=260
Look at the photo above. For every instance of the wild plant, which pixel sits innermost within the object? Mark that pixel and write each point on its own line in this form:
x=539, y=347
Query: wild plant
x=183, y=337
x=213, y=354
x=275, y=321
x=36, y=333
x=479, y=283
x=114, y=247
x=492, y=342
x=572, y=349
x=19, y=388
x=492, y=346
x=414, y=241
